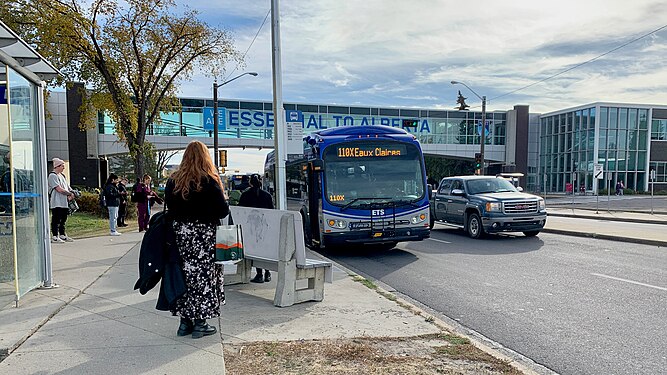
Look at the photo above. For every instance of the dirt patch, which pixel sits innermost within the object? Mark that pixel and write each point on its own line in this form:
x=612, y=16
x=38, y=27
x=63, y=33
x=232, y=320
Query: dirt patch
x=443, y=353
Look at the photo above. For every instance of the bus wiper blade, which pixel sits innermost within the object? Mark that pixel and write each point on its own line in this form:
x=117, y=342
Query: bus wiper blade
x=350, y=203
x=405, y=202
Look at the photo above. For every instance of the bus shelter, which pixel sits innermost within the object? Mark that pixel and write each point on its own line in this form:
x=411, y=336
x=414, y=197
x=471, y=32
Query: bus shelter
x=25, y=250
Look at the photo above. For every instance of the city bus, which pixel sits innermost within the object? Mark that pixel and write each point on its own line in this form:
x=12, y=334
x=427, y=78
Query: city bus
x=357, y=185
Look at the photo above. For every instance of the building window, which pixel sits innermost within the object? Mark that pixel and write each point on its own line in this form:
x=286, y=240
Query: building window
x=659, y=130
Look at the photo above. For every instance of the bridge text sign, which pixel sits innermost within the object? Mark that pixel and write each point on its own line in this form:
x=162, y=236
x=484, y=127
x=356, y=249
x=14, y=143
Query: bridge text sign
x=248, y=119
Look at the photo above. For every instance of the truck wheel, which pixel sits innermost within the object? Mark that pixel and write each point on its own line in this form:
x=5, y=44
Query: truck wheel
x=531, y=233
x=475, y=228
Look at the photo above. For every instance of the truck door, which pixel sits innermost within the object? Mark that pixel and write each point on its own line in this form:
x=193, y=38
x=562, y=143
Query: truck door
x=440, y=200
x=456, y=204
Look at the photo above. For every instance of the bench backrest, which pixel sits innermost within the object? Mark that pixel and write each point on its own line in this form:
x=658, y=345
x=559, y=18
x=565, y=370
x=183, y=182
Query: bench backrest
x=261, y=232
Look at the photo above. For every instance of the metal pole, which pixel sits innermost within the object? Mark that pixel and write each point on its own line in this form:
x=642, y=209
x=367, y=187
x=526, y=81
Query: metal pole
x=652, y=183
x=215, y=124
x=608, y=194
x=279, y=135
x=483, y=140
x=597, y=196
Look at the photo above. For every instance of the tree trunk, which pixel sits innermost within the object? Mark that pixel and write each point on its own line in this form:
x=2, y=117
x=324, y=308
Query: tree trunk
x=139, y=164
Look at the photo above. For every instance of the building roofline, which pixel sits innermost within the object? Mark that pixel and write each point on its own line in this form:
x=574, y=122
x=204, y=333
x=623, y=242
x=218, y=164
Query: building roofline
x=604, y=104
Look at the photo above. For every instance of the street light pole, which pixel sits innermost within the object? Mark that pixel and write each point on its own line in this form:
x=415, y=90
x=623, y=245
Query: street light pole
x=216, y=86
x=483, y=132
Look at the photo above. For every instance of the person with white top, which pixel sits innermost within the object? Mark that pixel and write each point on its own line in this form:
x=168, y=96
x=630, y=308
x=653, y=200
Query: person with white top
x=60, y=193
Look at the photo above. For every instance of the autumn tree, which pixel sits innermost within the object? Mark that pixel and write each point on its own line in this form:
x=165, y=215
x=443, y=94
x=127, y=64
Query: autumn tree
x=130, y=54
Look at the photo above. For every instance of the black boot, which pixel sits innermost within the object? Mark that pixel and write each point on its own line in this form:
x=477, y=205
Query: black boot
x=202, y=329
x=267, y=276
x=186, y=327
x=259, y=278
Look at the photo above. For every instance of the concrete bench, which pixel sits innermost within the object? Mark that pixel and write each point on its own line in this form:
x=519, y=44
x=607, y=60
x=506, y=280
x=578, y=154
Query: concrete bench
x=273, y=240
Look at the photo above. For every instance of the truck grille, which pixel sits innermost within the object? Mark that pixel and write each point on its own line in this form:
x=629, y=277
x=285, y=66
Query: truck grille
x=520, y=207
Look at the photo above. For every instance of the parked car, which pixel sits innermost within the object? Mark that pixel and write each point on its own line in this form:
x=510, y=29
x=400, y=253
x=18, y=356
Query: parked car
x=486, y=204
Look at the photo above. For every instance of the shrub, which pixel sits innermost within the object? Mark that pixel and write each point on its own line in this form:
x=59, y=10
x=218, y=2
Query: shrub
x=89, y=202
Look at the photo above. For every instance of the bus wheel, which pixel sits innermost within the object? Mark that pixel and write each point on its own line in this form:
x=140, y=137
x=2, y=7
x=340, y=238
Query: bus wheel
x=431, y=222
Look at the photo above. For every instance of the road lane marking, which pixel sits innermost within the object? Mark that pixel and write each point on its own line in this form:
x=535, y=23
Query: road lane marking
x=443, y=241
x=629, y=281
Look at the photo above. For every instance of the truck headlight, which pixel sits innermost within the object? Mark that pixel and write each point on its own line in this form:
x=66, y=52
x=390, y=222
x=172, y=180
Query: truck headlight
x=338, y=224
x=540, y=205
x=494, y=207
x=418, y=218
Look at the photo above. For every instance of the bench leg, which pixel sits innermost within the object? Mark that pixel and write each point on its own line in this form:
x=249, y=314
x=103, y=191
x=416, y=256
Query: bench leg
x=242, y=275
x=286, y=285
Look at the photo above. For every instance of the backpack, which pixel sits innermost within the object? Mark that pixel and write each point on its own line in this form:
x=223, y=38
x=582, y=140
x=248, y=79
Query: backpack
x=102, y=199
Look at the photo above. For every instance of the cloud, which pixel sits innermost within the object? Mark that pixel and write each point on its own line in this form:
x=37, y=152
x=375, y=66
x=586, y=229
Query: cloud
x=404, y=54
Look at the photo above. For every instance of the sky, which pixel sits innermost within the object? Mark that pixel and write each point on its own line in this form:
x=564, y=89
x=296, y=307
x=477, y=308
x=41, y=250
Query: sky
x=389, y=53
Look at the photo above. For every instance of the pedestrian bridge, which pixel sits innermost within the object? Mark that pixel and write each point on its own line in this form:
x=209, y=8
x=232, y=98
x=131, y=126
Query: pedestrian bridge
x=175, y=135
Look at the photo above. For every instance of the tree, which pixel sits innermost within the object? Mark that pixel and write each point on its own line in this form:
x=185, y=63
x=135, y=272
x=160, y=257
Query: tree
x=438, y=167
x=131, y=54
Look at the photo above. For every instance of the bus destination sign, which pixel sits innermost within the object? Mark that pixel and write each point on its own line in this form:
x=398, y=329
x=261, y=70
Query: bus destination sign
x=366, y=151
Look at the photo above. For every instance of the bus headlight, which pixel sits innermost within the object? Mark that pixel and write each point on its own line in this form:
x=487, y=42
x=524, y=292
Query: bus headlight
x=338, y=224
x=494, y=207
x=418, y=218
x=540, y=205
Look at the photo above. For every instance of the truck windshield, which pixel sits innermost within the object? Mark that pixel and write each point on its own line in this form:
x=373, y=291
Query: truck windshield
x=362, y=173
x=489, y=185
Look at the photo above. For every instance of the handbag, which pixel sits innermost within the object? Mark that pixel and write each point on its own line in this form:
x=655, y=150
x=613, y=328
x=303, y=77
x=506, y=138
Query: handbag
x=228, y=241
x=72, y=206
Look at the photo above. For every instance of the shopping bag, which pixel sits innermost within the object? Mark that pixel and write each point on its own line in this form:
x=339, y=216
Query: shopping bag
x=228, y=242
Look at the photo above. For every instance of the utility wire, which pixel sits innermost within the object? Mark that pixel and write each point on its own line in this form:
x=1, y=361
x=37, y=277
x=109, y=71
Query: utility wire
x=251, y=43
x=583, y=63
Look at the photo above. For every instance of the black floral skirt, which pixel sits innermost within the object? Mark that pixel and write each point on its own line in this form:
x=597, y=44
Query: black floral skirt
x=203, y=277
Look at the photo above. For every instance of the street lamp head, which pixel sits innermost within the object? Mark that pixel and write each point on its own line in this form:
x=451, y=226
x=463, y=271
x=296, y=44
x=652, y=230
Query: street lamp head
x=455, y=82
x=253, y=74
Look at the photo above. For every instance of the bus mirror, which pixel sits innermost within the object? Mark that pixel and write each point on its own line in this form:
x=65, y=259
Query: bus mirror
x=317, y=166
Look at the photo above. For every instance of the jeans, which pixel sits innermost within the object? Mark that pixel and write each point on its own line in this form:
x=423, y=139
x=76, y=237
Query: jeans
x=113, y=215
x=58, y=219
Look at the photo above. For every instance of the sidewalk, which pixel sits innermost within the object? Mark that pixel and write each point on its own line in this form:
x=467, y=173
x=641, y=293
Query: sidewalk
x=96, y=323
x=634, y=227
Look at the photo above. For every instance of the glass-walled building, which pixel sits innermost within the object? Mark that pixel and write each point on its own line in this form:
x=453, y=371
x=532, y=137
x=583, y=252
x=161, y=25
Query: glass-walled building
x=613, y=135
x=24, y=246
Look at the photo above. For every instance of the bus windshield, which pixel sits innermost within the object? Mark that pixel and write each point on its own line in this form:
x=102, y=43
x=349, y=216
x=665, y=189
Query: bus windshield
x=359, y=173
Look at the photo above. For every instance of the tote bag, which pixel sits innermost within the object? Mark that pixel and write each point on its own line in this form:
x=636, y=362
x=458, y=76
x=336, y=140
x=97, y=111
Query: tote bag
x=228, y=242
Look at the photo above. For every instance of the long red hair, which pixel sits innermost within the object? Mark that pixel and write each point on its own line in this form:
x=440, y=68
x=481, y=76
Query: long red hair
x=195, y=166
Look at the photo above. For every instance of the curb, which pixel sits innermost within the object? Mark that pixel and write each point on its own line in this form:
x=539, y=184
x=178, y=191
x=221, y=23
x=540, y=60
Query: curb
x=523, y=364
x=607, y=218
x=642, y=241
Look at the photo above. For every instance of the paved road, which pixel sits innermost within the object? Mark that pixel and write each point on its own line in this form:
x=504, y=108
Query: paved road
x=576, y=306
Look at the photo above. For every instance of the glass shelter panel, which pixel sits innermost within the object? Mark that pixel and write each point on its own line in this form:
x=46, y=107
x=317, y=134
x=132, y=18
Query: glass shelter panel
x=25, y=161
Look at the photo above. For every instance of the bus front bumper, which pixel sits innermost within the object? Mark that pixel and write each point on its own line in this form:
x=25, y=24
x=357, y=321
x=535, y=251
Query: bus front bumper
x=384, y=236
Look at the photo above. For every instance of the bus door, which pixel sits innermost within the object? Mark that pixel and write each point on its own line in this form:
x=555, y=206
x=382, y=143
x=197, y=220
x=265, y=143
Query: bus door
x=314, y=170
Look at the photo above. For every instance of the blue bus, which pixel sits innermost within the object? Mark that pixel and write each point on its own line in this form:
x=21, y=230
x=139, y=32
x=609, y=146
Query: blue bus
x=358, y=185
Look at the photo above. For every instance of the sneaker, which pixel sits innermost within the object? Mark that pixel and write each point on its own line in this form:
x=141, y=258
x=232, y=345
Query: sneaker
x=115, y=233
x=66, y=238
x=56, y=239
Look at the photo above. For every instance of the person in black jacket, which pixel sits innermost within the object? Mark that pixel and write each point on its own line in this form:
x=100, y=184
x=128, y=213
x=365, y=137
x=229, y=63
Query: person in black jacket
x=196, y=202
x=258, y=198
x=112, y=198
x=122, y=208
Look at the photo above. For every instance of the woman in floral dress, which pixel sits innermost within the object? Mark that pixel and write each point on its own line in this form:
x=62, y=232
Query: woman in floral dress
x=195, y=199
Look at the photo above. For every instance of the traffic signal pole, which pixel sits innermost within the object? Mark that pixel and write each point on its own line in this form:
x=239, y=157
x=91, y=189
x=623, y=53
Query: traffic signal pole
x=482, y=140
x=483, y=135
